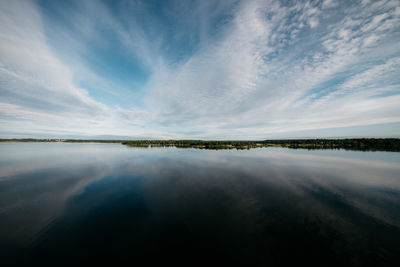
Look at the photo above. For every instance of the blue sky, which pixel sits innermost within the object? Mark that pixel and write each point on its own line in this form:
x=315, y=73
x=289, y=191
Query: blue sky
x=199, y=69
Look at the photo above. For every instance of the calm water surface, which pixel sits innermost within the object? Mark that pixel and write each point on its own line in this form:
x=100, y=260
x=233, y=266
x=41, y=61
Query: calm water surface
x=66, y=203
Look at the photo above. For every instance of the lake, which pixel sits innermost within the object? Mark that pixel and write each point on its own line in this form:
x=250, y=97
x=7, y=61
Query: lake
x=69, y=203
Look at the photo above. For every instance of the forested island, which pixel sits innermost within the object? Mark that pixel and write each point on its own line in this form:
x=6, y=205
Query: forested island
x=364, y=144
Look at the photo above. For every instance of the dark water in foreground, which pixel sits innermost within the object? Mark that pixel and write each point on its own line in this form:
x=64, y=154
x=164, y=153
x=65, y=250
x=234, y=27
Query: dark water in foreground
x=83, y=203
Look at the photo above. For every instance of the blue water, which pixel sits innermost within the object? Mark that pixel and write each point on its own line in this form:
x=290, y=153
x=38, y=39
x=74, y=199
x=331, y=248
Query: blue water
x=67, y=203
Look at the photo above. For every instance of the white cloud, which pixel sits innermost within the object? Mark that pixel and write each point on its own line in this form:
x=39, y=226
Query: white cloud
x=235, y=82
x=37, y=91
x=329, y=3
x=270, y=68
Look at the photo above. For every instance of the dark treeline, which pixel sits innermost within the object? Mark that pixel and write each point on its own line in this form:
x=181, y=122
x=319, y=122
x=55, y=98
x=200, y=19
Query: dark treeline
x=196, y=144
x=365, y=144
x=371, y=144
x=61, y=140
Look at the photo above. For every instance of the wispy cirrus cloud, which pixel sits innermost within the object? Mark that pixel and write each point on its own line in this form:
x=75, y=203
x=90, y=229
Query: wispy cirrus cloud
x=207, y=69
x=277, y=69
x=38, y=92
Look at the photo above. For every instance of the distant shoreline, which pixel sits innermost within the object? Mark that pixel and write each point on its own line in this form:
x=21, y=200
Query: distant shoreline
x=362, y=144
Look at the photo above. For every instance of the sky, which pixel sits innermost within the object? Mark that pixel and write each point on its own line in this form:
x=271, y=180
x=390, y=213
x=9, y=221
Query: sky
x=199, y=69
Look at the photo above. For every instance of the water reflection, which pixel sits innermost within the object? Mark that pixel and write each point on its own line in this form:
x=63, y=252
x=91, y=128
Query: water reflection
x=69, y=203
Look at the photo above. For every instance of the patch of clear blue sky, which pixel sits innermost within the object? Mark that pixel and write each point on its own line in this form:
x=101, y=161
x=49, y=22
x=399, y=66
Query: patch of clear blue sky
x=99, y=50
x=171, y=33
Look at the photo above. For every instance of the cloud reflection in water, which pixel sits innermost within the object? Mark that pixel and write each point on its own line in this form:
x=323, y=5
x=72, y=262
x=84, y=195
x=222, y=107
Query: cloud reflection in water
x=114, y=203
